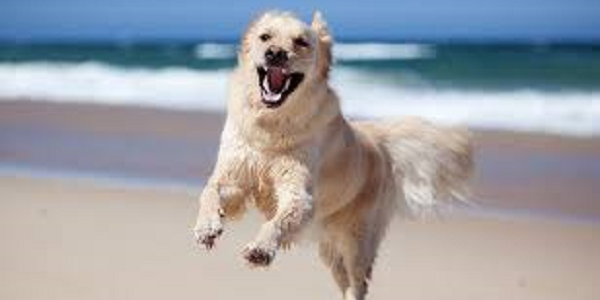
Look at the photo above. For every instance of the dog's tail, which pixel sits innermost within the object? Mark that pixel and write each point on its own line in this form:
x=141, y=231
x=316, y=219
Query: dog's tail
x=431, y=164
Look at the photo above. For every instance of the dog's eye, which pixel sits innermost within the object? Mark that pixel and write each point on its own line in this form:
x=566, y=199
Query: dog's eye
x=265, y=37
x=301, y=42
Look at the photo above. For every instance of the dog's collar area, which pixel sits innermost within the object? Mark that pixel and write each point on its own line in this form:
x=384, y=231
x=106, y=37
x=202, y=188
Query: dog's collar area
x=276, y=84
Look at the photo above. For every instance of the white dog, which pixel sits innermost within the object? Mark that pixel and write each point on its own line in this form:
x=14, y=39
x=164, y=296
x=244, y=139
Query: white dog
x=287, y=149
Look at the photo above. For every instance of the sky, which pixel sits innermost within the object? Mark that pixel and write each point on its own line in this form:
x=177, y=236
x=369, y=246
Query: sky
x=538, y=20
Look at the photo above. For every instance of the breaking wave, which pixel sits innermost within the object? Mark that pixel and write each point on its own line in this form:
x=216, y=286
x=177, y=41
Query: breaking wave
x=568, y=113
x=341, y=51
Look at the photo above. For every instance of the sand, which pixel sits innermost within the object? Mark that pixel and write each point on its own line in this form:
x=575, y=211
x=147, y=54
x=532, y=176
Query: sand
x=543, y=174
x=78, y=240
x=68, y=233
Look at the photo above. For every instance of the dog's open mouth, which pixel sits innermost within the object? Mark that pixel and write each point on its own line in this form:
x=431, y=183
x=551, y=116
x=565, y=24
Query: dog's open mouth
x=276, y=84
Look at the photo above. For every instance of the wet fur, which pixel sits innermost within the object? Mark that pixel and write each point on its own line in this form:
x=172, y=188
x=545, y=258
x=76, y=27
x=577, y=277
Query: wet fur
x=304, y=164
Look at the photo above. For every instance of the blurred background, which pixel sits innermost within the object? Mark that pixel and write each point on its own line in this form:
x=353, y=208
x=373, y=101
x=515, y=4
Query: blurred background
x=527, y=66
x=110, y=115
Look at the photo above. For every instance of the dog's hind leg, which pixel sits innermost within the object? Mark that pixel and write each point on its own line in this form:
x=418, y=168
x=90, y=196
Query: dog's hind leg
x=334, y=260
x=359, y=250
x=358, y=266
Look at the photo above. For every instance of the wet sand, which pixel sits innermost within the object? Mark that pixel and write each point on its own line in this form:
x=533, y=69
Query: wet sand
x=68, y=238
x=530, y=173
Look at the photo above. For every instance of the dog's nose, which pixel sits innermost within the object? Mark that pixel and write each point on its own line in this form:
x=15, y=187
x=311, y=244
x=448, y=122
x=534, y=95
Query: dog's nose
x=276, y=56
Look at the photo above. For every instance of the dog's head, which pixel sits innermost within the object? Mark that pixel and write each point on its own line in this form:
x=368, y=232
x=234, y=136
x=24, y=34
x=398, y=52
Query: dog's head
x=287, y=55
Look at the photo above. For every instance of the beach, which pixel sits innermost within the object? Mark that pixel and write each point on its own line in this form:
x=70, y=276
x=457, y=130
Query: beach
x=523, y=172
x=97, y=202
x=77, y=240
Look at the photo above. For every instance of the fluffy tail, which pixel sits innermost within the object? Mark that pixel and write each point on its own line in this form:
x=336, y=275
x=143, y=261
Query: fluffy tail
x=431, y=163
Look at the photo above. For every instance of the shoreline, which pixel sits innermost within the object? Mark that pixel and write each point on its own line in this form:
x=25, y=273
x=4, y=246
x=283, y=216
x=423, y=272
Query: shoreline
x=455, y=210
x=531, y=174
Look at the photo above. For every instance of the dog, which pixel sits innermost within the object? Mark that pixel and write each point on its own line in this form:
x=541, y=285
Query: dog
x=287, y=149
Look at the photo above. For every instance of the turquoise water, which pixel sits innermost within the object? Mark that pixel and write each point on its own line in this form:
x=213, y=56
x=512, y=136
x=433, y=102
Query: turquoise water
x=518, y=87
x=487, y=67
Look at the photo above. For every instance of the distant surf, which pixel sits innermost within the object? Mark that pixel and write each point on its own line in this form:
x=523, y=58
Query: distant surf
x=342, y=52
x=535, y=89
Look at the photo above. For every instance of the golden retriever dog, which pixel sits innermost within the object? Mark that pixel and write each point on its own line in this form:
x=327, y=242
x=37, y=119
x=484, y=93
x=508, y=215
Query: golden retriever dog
x=287, y=149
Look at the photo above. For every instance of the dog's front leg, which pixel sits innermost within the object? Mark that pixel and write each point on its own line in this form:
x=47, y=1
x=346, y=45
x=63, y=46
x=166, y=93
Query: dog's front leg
x=209, y=225
x=217, y=201
x=294, y=208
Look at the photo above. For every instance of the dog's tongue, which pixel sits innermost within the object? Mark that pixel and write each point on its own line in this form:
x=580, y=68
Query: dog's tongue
x=276, y=79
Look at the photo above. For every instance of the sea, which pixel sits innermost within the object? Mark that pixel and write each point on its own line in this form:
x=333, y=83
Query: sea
x=530, y=87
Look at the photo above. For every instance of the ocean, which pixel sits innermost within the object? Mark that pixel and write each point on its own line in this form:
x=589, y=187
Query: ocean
x=519, y=87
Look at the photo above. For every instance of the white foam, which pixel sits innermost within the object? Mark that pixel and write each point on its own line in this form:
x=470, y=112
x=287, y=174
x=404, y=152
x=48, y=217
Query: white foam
x=380, y=51
x=215, y=51
x=569, y=113
x=97, y=82
x=341, y=51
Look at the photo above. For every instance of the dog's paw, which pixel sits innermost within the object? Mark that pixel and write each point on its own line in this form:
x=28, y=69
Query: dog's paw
x=207, y=230
x=257, y=256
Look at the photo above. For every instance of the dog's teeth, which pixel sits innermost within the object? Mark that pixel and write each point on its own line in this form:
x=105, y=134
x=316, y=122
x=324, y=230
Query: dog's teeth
x=270, y=97
x=287, y=85
x=273, y=97
x=265, y=84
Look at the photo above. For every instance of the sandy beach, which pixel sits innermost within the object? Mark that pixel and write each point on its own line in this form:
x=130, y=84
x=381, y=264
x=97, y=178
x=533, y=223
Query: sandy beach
x=68, y=235
x=541, y=174
x=75, y=240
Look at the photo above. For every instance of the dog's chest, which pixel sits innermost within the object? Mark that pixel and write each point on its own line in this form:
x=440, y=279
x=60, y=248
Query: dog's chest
x=256, y=173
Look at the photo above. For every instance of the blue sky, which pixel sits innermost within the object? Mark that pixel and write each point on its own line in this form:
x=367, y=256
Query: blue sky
x=373, y=19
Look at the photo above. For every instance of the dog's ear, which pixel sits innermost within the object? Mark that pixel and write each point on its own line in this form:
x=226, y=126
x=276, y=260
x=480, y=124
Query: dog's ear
x=325, y=40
